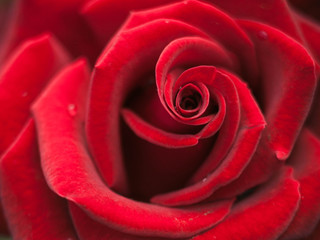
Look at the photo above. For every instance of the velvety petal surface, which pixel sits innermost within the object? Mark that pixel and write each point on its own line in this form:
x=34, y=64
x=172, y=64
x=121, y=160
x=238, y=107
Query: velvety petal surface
x=284, y=63
x=22, y=78
x=33, y=211
x=90, y=229
x=264, y=215
x=305, y=161
x=116, y=75
x=247, y=139
x=61, y=18
x=271, y=12
x=105, y=16
x=288, y=85
x=71, y=173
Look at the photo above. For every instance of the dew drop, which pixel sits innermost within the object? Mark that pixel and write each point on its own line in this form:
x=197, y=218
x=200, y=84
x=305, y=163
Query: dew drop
x=263, y=35
x=24, y=94
x=204, y=179
x=72, y=110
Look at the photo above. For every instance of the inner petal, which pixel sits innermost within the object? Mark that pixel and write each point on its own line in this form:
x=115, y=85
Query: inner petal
x=189, y=100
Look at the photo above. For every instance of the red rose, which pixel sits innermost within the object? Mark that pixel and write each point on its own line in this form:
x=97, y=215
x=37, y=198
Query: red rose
x=197, y=120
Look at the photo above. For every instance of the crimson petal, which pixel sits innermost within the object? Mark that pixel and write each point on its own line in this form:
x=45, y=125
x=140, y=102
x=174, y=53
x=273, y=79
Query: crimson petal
x=232, y=166
x=210, y=20
x=22, y=79
x=311, y=32
x=71, y=173
x=273, y=13
x=263, y=216
x=89, y=229
x=58, y=17
x=111, y=85
x=105, y=16
x=306, y=164
x=288, y=85
x=33, y=211
x=155, y=135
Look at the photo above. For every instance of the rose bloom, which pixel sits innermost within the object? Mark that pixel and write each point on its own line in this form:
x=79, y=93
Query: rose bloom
x=160, y=119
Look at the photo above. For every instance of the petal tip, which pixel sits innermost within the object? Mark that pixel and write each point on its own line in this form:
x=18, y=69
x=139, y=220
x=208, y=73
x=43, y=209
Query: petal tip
x=281, y=155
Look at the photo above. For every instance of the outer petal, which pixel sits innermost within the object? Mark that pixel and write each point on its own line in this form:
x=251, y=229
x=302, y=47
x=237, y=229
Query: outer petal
x=305, y=160
x=33, y=211
x=288, y=85
x=275, y=13
x=70, y=172
x=106, y=16
x=210, y=20
x=264, y=215
x=22, y=79
x=89, y=229
x=61, y=18
x=311, y=32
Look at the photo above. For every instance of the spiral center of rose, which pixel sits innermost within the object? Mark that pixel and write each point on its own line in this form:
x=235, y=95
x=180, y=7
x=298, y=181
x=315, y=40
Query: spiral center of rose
x=188, y=100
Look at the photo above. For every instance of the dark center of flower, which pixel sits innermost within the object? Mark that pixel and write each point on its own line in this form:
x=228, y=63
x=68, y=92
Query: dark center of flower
x=190, y=102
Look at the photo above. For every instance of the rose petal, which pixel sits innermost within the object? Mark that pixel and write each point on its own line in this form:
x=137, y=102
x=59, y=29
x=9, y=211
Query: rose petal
x=187, y=51
x=71, y=173
x=311, y=32
x=231, y=167
x=33, y=211
x=105, y=16
x=273, y=13
x=89, y=229
x=265, y=215
x=288, y=85
x=251, y=116
x=306, y=164
x=22, y=79
x=111, y=85
x=212, y=21
x=199, y=95
x=155, y=135
x=59, y=17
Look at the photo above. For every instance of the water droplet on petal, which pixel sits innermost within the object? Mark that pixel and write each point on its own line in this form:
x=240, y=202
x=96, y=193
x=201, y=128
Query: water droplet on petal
x=72, y=110
x=166, y=21
x=204, y=179
x=263, y=35
x=24, y=94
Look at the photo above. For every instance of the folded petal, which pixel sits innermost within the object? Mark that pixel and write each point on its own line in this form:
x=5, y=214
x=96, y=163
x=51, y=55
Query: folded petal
x=23, y=77
x=117, y=73
x=71, y=173
x=264, y=215
x=89, y=229
x=33, y=211
x=61, y=18
x=305, y=161
x=288, y=84
x=273, y=13
x=155, y=135
x=105, y=16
